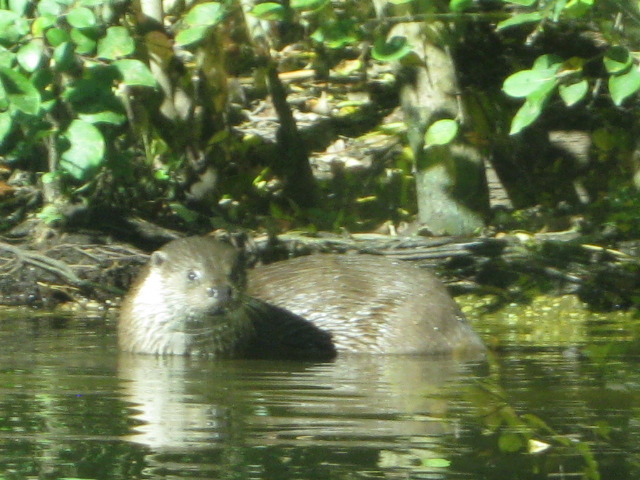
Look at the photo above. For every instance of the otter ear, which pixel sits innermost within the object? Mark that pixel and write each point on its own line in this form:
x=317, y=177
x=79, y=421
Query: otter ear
x=157, y=259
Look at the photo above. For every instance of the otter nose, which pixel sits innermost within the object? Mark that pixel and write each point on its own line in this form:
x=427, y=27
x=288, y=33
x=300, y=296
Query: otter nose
x=222, y=293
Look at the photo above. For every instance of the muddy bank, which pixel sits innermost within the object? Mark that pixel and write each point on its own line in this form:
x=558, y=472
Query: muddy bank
x=78, y=267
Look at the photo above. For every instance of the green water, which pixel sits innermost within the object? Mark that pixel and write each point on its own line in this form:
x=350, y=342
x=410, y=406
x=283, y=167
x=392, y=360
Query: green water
x=72, y=407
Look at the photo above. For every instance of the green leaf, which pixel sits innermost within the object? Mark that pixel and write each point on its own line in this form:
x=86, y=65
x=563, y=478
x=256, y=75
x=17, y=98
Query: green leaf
x=85, y=44
x=309, y=4
x=4, y=98
x=269, y=11
x=42, y=24
x=510, y=442
x=96, y=86
x=21, y=94
x=617, y=60
x=50, y=7
x=544, y=62
x=335, y=34
x=525, y=82
x=183, y=212
x=623, y=86
x=578, y=8
x=6, y=122
x=524, y=3
x=528, y=113
x=106, y=117
x=400, y=2
x=435, y=462
x=30, y=55
x=393, y=49
x=93, y=3
x=460, y=5
x=50, y=214
x=441, y=132
x=116, y=43
x=81, y=17
x=86, y=151
x=7, y=58
x=520, y=19
x=56, y=36
x=191, y=36
x=63, y=56
x=12, y=27
x=572, y=94
x=205, y=14
x=134, y=72
x=18, y=6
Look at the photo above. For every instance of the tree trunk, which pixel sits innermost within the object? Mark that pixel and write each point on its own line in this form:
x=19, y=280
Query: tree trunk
x=451, y=184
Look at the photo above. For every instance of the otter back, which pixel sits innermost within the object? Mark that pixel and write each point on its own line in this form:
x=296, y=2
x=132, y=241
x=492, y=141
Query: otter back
x=369, y=304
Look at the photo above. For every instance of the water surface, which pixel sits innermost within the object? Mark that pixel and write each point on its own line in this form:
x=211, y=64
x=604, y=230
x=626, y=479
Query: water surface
x=72, y=407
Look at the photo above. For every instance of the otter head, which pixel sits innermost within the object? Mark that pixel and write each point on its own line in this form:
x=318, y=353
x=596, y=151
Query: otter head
x=186, y=300
x=202, y=275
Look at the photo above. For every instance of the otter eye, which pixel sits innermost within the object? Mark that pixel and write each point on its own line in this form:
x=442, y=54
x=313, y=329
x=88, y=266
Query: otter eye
x=192, y=275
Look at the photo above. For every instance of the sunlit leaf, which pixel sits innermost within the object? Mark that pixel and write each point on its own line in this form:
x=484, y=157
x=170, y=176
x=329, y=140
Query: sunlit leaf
x=578, y=8
x=12, y=26
x=49, y=7
x=91, y=3
x=623, y=86
x=30, y=55
x=441, y=132
x=205, y=14
x=573, y=93
x=6, y=122
x=460, y=5
x=116, y=43
x=63, y=56
x=56, y=36
x=436, y=462
x=134, y=72
x=525, y=3
x=41, y=24
x=547, y=61
x=309, y=4
x=108, y=117
x=391, y=50
x=191, y=36
x=269, y=11
x=7, y=57
x=525, y=116
x=20, y=92
x=520, y=19
x=85, y=44
x=617, y=59
x=525, y=82
x=18, y=6
x=81, y=17
x=86, y=151
x=336, y=34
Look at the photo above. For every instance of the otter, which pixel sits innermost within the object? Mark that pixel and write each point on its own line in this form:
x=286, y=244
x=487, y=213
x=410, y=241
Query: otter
x=369, y=303
x=194, y=297
x=189, y=300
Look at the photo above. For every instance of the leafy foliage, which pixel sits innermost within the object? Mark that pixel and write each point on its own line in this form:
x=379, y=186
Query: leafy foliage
x=60, y=62
x=81, y=104
x=567, y=76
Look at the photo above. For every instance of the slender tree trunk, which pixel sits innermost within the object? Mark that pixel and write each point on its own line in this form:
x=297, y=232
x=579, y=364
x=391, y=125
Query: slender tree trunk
x=451, y=184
